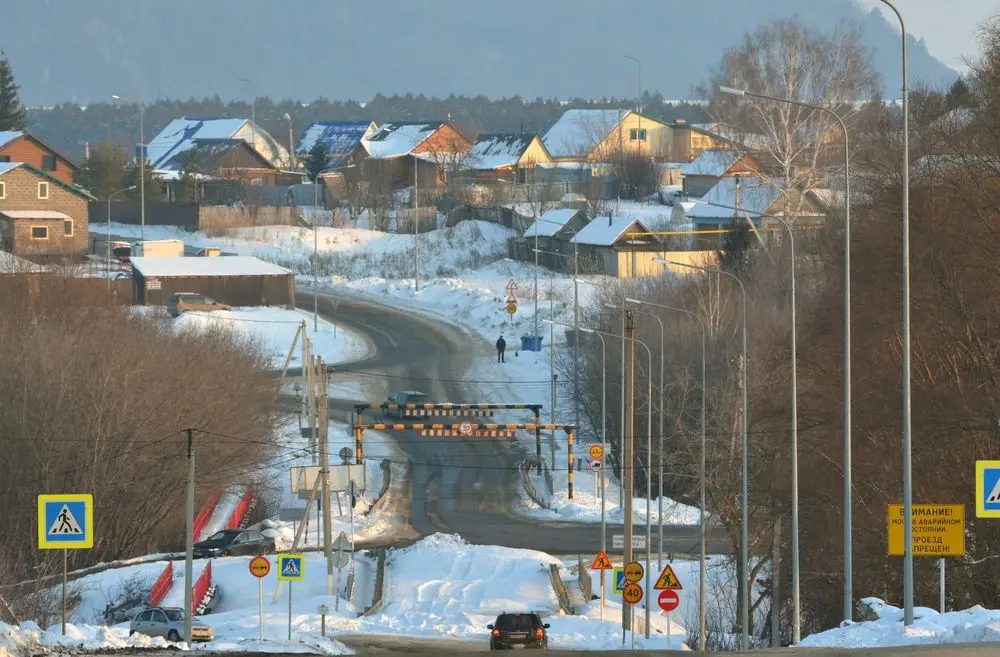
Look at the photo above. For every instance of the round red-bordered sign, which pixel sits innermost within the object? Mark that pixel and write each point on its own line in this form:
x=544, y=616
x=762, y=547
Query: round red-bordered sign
x=632, y=593
x=260, y=567
x=668, y=600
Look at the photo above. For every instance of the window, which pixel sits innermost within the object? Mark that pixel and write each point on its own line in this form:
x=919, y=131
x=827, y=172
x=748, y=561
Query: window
x=68, y=228
x=4, y=158
x=637, y=134
x=43, y=190
x=39, y=232
x=159, y=617
x=145, y=616
x=3, y=189
x=48, y=162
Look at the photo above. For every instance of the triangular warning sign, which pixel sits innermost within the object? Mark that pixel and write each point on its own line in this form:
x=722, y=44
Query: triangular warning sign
x=994, y=495
x=65, y=523
x=668, y=580
x=601, y=562
x=291, y=568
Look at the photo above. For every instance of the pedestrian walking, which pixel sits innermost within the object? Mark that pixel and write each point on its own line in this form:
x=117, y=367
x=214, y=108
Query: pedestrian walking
x=501, y=347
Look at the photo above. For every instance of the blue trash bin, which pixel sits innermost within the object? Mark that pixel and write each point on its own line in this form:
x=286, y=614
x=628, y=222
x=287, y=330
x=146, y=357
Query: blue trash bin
x=531, y=343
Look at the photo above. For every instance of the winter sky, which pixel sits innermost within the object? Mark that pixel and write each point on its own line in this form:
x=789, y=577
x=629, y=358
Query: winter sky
x=948, y=28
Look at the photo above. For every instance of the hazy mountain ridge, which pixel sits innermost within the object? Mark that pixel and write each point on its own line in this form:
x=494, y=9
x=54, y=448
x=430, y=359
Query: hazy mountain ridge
x=83, y=52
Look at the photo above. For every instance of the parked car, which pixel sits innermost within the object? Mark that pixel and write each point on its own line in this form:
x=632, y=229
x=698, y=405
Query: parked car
x=511, y=631
x=168, y=622
x=405, y=397
x=234, y=542
x=182, y=302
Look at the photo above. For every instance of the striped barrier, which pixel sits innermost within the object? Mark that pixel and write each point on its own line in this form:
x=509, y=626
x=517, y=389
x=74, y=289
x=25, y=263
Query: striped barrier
x=495, y=433
x=430, y=412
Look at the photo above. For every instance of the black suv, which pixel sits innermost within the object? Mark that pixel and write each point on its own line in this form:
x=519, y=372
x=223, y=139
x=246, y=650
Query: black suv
x=518, y=631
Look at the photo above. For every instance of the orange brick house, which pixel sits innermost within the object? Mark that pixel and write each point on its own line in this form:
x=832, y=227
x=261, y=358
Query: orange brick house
x=41, y=216
x=16, y=146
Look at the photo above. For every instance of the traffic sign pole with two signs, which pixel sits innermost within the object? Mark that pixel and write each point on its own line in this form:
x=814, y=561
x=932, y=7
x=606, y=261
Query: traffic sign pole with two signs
x=259, y=568
x=65, y=522
x=291, y=568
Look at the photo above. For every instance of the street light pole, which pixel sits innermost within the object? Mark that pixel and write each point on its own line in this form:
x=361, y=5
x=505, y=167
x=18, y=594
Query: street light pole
x=744, y=516
x=315, y=227
x=141, y=159
x=604, y=440
x=701, y=469
x=848, y=591
x=659, y=556
x=907, y=423
x=796, y=598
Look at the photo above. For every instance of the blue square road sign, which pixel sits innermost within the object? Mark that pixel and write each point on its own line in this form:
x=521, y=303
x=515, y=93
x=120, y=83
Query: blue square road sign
x=988, y=489
x=290, y=568
x=619, y=579
x=65, y=522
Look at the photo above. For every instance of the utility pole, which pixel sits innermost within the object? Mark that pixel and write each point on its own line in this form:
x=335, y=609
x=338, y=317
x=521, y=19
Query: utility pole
x=189, y=540
x=324, y=472
x=628, y=458
x=416, y=232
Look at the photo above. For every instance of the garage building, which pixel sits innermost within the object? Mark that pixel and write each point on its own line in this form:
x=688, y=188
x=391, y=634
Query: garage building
x=233, y=280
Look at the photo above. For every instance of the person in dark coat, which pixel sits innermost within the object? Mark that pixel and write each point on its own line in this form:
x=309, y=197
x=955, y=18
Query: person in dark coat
x=501, y=347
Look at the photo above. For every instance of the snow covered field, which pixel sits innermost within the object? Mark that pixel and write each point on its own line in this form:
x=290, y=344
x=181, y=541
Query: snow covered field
x=275, y=328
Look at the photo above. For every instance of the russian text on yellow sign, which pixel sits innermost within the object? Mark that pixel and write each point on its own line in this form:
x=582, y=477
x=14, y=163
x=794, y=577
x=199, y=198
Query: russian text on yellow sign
x=938, y=530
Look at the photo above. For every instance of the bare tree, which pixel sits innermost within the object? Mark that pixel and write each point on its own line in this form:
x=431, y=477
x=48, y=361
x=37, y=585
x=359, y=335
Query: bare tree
x=788, y=60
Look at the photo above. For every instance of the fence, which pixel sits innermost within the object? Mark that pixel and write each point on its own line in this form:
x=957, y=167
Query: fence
x=162, y=585
x=201, y=588
x=240, y=512
x=205, y=515
x=192, y=216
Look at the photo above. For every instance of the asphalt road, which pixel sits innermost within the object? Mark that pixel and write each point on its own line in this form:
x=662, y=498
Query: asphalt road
x=464, y=486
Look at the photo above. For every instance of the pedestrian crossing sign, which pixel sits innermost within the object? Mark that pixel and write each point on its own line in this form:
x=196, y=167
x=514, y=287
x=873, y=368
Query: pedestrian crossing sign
x=620, y=582
x=668, y=580
x=290, y=568
x=66, y=522
x=988, y=489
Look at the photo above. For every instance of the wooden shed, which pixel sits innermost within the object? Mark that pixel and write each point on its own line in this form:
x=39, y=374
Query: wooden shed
x=233, y=280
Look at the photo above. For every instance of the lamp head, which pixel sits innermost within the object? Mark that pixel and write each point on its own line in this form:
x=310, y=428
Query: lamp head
x=732, y=92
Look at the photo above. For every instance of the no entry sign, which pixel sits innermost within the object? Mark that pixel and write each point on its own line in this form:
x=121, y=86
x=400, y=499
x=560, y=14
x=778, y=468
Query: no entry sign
x=668, y=600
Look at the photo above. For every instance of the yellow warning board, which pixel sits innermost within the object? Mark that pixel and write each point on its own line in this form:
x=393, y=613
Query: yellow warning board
x=668, y=580
x=938, y=530
x=601, y=562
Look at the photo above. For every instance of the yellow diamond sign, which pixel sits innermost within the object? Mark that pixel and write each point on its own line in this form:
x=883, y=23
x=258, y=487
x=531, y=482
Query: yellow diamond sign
x=938, y=530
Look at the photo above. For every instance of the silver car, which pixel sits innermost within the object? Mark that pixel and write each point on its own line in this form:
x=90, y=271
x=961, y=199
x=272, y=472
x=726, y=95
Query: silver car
x=168, y=622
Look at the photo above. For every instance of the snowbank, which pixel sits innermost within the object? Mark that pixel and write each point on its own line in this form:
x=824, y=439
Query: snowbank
x=973, y=625
x=275, y=328
x=29, y=639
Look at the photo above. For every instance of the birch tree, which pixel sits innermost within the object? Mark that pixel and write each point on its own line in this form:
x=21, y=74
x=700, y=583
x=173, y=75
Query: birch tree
x=786, y=59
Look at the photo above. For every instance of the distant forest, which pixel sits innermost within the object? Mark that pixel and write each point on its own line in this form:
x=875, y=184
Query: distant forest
x=68, y=127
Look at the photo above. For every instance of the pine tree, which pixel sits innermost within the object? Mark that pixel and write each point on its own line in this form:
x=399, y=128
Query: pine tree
x=318, y=160
x=103, y=173
x=12, y=114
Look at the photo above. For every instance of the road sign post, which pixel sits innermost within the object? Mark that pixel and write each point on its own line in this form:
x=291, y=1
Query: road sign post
x=602, y=563
x=259, y=568
x=65, y=522
x=291, y=568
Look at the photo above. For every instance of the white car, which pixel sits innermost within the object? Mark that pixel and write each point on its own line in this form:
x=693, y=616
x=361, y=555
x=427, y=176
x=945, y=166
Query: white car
x=168, y=622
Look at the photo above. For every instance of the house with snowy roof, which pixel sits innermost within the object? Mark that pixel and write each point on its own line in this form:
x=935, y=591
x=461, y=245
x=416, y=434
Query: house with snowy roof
x=701, y=174
x=605, y=244
x=508, y=157
x=184, y=133
x=426, y=151
x=594, y=136
x=340, y=139
x=754, y=198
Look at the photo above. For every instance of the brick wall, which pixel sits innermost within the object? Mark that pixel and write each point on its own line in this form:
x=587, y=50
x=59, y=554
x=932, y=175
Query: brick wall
x=21, y=193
